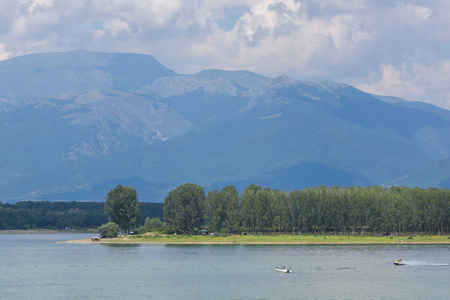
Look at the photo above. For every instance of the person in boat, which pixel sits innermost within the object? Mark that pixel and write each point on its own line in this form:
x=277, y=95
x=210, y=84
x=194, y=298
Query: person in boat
x=399, y=260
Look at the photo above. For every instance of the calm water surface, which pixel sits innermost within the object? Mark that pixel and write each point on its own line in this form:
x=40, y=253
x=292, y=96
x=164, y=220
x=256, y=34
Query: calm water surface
x=35, y=267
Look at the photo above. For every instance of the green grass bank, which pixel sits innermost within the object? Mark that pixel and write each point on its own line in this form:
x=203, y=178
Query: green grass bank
x=272, y=239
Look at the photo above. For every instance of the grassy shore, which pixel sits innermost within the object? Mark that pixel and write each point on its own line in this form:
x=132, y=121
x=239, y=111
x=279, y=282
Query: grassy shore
x=269, y=239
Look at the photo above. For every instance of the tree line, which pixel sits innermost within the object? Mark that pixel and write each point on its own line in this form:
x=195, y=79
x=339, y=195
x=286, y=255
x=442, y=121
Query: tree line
x=320, y=210
x=59, y=215
x=186, y=209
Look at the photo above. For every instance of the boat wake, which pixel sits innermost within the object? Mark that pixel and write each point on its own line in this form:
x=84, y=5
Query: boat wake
x=423, y=263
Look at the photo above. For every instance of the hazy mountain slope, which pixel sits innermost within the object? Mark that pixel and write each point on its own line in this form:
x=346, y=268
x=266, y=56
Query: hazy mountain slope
x=45, y=145
x=62, y=75
x=75, y=124
x=245, y=79
x=433, y=134
x=201, y=101
x=294, y=144
x=423, y=106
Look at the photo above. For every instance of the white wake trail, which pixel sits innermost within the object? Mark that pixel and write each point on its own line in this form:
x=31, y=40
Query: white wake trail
x=423, y=263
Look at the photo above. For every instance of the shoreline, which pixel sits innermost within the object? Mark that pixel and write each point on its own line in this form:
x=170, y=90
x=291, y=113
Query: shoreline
x=46, y=231
x=150, y=238
x=138, y=241
x=250, y=243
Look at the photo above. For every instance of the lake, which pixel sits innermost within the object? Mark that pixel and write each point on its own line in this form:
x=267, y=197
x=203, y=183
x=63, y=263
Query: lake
x=34, y=266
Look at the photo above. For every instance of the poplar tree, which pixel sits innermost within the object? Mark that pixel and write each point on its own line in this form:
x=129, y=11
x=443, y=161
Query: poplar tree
x=184, y=208
x=230, y=199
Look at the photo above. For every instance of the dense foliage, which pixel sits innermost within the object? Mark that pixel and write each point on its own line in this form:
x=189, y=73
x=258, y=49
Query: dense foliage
x=109, y=230
x=322, y=210
x=222, y=209
x=184, y=208
x=122, y=207
x=59, y=215
x=153, y=224
x=350, y=210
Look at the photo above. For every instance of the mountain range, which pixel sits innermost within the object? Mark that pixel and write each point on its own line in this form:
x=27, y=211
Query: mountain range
x=75, y=124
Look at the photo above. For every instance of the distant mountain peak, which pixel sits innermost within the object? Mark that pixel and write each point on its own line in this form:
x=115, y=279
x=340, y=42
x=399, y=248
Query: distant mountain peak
x=245, y=79
x=73, y=123
x=327, y=85
x=283, y=80
x=49, y=75
x=182, y=85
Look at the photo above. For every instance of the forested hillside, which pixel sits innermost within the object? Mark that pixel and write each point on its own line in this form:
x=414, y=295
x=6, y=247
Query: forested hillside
x=59, y=215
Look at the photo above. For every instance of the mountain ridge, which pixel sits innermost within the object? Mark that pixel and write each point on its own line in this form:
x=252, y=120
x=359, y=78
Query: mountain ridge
x=67, y=136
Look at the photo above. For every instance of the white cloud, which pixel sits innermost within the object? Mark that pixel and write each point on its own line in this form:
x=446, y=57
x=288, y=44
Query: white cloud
x=3, y=54
x=392, y=79
x=39, y=3
x=415, y=81
x=417, y=13
x=116, y=26
x=388, y=47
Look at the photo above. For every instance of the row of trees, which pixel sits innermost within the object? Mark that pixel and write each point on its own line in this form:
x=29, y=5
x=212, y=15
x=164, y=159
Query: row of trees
x=350, y=210
x=59, y=215
x=51, y=215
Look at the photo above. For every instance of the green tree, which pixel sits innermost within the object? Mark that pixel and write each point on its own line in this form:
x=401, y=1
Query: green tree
x=153, y=224
x=249, y=209
x=123, y=207
x=184, y=208
x=215, y=213
x=279, y=207
x=264, y=215
x=222, y=209
x=230, y=199
x=108, y=230
x=294, y=215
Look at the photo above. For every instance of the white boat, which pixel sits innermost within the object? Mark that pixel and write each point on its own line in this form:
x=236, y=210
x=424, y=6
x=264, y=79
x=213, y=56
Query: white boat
x=283, y=270
x=399, y=262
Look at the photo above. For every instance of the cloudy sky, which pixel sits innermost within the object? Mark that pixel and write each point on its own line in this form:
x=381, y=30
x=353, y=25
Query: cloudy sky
x=387, y=47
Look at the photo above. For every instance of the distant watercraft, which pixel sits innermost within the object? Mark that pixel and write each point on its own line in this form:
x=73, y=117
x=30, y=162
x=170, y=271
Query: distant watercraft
x=283, y=270
x=399, y=262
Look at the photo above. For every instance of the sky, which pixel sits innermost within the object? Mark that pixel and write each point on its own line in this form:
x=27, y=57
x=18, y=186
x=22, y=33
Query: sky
x=385, y=47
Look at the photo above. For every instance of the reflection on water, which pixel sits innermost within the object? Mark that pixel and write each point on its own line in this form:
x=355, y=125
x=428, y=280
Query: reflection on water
x=35, y=267
x=120, y=246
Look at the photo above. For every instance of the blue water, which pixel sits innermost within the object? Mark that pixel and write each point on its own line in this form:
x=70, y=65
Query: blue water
x=36, y=267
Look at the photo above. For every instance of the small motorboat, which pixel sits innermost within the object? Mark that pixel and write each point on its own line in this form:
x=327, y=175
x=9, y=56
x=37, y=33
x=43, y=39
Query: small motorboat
x=283, y=270
x=399, y=262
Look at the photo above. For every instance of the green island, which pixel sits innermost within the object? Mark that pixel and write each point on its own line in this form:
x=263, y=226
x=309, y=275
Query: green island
x=320, y=215
x=157, y=238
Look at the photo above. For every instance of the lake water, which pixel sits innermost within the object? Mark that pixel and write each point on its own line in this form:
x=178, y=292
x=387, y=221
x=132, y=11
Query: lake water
x=35, y=267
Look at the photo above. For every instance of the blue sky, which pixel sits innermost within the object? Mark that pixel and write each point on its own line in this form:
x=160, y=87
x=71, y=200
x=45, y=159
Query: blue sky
x=387, y=47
